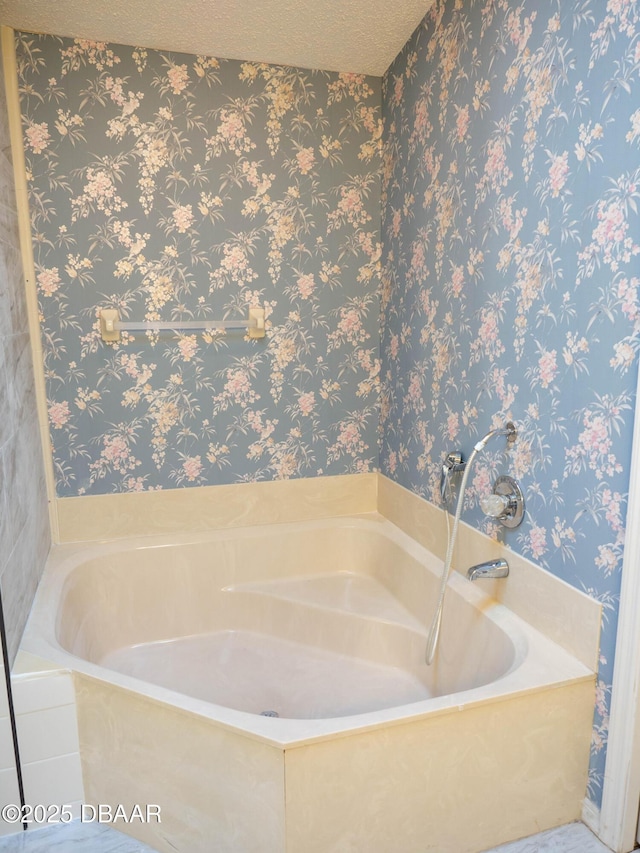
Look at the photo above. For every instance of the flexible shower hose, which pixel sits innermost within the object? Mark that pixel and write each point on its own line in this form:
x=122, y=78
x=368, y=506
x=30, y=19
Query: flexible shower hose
x=434, y=631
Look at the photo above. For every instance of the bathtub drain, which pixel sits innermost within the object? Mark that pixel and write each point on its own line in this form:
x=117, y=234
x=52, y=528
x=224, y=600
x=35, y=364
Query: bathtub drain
x=269, y=714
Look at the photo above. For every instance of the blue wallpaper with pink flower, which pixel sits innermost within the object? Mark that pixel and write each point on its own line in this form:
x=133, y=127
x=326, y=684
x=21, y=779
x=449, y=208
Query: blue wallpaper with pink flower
x=507, y=286
x=178, y=187
x=511, y=274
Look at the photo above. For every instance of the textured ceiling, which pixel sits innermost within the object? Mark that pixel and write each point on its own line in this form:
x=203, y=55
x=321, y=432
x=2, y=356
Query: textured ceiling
x=362, y=36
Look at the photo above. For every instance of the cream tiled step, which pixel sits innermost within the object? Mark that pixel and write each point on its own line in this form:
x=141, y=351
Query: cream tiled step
x=342, y=613
x=341, y=591
x=356, y=616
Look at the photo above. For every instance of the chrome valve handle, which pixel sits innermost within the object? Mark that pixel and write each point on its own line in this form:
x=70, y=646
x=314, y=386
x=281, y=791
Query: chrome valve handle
x=506, y=504
x=494, y=505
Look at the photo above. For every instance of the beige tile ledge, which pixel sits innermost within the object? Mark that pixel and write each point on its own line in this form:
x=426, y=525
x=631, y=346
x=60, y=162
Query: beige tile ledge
x=29, y=666
x=563, y=613
x=119, y=516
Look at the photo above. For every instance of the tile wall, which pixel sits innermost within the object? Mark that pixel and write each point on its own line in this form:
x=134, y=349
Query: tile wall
x=44, y=703
x=24, y=524
x=24, y=527
x=8, y=777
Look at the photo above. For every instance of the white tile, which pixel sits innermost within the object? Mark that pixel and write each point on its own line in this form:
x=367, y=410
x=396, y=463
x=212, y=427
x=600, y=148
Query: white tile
x=56, y=781
x=7, y=758
x=4, y=702
x=48, y=733
x=36, y=693
x=8, y=795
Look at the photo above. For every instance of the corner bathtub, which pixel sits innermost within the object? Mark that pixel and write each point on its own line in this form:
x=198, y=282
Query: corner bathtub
x=185, y=648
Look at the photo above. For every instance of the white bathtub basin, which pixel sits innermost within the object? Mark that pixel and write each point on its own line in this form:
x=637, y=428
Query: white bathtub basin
x=179, y=644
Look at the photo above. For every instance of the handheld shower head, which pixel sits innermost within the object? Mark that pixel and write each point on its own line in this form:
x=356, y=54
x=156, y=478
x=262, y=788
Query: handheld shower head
x=452, y=465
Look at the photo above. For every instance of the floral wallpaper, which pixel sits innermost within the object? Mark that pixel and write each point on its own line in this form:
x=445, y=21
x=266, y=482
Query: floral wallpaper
x=511, y=274
x=177, y=187
x=182, y=187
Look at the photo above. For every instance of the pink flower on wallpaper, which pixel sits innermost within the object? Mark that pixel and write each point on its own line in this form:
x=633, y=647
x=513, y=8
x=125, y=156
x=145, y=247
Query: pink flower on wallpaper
x=231, y=135
x=178, y=78
x=518, y=33
x=183, y=217
x=610, y=234
x=453, y=425
x=307, y=402
x=305, y=159
x=462, y=122
x=37, y=136
x=350, y=329
x=482, y=481
x=398, y=90
x=188, y=347
x=192, y=467
x=431, y=162
x=59, y=414
x=231, y=127
x=238, y=384
x=414, y=392
x=537, y=541
x=370, y=245
x=235, y=258
x=547, y=367
x=234, y=266
x=422, y=125
x=488, y=340
x=306, y=285
x=601, y=698
x=628, y=294
x=558, y=172
x=457, y=280
x=624, y=356
x=350, y=207
x=612, y=504
x=99, y=191
x=135, y=484
x=607, y=560
x=350, y=439
x=417, y=257
x=595, y=437
x=115, y=450
x=48, y=281
x=634, y=133
x=129, y=102
x=495, y=168
x=593, y=449
x=396, y=223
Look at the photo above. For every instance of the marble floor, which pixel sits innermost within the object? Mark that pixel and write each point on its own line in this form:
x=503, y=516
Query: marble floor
x=74, y=837
x=79, y=837
x=572, y=838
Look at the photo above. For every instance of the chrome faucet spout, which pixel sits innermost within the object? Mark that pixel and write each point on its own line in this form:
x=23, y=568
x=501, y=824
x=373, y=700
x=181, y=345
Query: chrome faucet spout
x=491, y=569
